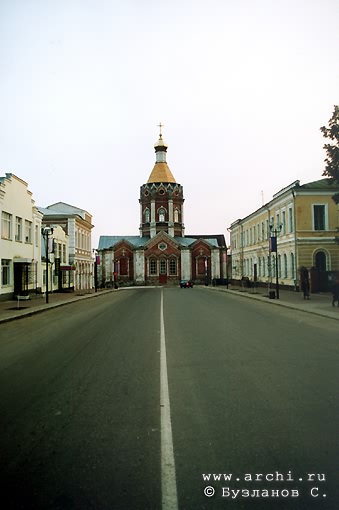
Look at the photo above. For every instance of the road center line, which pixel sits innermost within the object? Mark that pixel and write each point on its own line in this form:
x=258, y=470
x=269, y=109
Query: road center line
x=168, y=478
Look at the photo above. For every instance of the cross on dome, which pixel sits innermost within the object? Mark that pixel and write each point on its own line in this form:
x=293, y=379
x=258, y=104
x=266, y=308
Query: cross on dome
x=160, y=126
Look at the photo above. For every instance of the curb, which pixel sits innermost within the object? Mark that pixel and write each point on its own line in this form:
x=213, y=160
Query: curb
x=265, y=299
x=43, y=308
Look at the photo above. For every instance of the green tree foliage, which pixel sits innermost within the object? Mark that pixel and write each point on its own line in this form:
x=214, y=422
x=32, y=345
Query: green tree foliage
x=332, y=149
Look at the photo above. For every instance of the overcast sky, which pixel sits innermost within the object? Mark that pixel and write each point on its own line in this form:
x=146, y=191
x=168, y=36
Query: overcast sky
x=242, y=87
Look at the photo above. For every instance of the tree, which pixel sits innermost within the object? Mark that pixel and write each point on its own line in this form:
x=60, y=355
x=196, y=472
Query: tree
x=332, y=149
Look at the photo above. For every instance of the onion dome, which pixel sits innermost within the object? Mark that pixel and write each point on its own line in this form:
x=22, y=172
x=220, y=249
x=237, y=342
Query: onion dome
x=161, y=171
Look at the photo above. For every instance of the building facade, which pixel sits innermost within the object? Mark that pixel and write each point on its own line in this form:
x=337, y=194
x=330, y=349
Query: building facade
x=304, y=221
x=20, y=239
x=161, y=254
x=55, y=260
x=77, y=225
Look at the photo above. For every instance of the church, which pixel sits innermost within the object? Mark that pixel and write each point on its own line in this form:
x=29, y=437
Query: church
x=162, y=254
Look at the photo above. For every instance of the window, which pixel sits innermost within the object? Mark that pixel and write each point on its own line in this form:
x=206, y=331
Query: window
x=262, y=231
x=6, y=224
x=173, y=266
x=263, y=267
x=147, y=216
x=28, y=231
x=37, y=235
x=18, y=229
x=176, y=215
x=319, y=217
x=292, y=265
x=320, y=261
x=279, y=266
x=285, y=266
x=153, y=266
x=64, y=253
x=161, y=215
x=283, y=223
x=290, y=220
x=5, y=272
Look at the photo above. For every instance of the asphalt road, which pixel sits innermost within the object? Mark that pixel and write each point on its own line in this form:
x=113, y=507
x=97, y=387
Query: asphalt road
x=85, y=423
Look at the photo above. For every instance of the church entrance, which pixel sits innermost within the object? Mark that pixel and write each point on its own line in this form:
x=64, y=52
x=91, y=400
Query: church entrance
x=163, y=271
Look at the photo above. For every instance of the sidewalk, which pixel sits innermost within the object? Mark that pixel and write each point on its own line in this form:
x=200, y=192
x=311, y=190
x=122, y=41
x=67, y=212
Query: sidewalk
x=318, y=304
x=14, y=309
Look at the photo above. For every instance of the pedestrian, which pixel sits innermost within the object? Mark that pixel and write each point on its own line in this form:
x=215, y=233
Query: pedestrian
x=335, y=293
x=305, y=283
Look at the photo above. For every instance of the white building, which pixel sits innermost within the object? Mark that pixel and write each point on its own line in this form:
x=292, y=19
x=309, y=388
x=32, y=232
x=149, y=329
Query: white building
x=20, y=241
x=77, y=224
x=60, y=272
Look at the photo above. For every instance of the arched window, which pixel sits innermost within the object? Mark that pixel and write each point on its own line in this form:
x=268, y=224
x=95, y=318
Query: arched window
x=153, y=266
x=173, y=266
x=161, y=215
x=176, y=215
x=279, y=266
x=320, y=261
x=147, y=216
x=285, y=266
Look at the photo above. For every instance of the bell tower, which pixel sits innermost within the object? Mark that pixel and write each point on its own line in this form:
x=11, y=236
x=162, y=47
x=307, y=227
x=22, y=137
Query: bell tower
x=161, y=198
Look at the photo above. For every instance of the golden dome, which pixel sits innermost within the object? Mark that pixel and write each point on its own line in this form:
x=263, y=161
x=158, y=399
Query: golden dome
x=161, y=173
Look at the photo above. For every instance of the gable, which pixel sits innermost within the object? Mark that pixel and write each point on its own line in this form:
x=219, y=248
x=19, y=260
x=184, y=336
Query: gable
x=162, y=243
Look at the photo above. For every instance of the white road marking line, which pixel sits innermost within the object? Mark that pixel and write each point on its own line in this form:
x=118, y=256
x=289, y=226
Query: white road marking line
x=168, y=477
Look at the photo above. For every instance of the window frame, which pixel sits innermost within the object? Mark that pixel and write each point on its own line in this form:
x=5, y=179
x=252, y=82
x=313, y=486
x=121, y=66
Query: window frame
x=6, y=226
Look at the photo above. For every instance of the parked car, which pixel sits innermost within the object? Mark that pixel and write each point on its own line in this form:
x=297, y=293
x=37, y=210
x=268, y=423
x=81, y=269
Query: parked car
x=186, y=283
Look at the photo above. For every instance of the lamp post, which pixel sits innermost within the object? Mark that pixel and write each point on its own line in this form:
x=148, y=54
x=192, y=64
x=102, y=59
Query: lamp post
x=46, y=231
x=274, y=248
x=95, y=270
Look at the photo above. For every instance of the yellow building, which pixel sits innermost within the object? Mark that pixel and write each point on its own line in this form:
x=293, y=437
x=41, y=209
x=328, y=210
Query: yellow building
x=304, y=220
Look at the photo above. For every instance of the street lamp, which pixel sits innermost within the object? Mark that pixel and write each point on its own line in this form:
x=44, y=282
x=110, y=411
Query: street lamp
x=46, y=232
x=274, y=249
x=95, y=252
